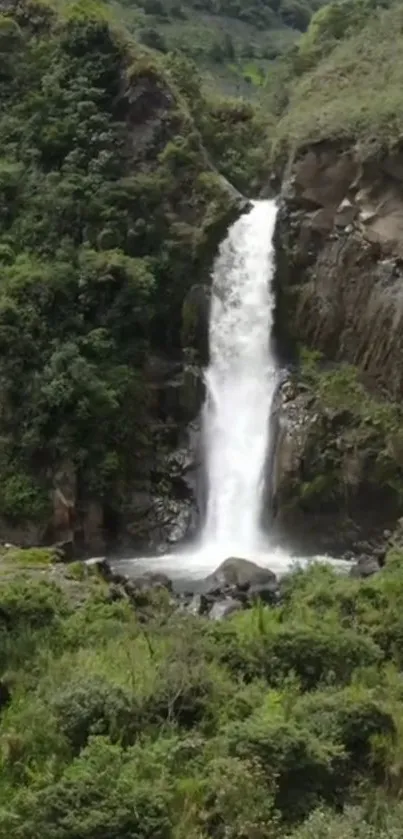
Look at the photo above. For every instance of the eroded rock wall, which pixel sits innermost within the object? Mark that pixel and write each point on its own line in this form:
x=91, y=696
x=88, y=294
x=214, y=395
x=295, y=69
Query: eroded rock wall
x=340, y=292
x=340, y=249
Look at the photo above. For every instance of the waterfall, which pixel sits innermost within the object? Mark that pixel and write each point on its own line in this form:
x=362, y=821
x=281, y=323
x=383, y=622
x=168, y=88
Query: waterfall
x=241, y=381
x=240, y=384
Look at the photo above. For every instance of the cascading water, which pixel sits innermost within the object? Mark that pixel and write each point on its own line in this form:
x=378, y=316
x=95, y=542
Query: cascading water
x=240, y=381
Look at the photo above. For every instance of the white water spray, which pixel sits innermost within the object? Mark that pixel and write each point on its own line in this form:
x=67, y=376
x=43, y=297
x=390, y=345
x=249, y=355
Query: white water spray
x=241, y=382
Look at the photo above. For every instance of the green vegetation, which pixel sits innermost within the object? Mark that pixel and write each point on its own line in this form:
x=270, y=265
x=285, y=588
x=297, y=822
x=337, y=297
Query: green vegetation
x=129, y=719
x=110, y=209
x=343, y=80
x=355, y=443
x=234, y=43
x=27, y=557
x=282, y=722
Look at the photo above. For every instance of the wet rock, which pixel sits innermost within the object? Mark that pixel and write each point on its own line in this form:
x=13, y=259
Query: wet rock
x=5, y=695
x=195, y=320
x=64, y=502
x=195, y=605
x=224, y=608
x=199, y=605
x=104, y=569
x=317, y=508
x=166, y=522
x=365, y=566
x=141, y=590
x=346, y=213
x=65, y=551
x=179, y=399
x=239, y=572
x=152, y=579
x=266, y=592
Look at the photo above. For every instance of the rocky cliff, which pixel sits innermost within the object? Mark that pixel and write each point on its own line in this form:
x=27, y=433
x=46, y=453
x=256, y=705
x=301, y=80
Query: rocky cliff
x=339, y=284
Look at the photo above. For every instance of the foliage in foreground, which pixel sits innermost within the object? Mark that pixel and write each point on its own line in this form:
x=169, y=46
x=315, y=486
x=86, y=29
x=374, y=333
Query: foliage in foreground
x=282, y=722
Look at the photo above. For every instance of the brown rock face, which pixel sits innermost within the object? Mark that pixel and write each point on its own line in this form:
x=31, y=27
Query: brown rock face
x=340, y=291
x=340, y=250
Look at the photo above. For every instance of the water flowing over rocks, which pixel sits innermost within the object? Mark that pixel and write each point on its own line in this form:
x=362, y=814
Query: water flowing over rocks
x=235, y=585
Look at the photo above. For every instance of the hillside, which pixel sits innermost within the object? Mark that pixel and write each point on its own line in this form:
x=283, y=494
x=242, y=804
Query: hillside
x=111, y=209
x=233, y=42
x=344, y=80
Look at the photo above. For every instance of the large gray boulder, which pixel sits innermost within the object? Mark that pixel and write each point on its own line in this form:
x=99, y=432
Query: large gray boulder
x=240, y=573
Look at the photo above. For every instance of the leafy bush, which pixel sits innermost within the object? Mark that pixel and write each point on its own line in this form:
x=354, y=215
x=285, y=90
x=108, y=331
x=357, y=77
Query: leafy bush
x=237, y=800
x=353, y=721
x=95, y=706
x=95, y=266
x=304, y=768
x=344, y=58
x=99, y=793
x=30, y=556
x=313, y=653
x=31, y=604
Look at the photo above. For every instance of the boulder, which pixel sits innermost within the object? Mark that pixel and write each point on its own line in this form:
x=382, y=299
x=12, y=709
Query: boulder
x=268, y=592
x=199, y=605
x=224, y=608
x=365, y=566
x=152, y=579
x=239, y=573
x=65, y=551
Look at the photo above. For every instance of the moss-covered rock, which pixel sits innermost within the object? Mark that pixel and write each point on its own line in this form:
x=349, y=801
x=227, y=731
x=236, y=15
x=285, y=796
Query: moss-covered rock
x=338, y=464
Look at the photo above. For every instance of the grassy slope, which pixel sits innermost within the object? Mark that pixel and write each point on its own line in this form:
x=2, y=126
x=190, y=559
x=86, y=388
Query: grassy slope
x=355, y=92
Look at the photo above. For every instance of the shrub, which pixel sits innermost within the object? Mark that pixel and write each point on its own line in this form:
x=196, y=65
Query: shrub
x=237, y=799
x=313, y=653
x=354, y=721
x=95, y=706
x=304, y=769
x=98, y=794
x=30, y=556
x=353, y=823
x=318, y=653
x=30, y=603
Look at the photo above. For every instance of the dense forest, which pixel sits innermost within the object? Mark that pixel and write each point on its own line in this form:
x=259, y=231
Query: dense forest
x=122, y=714
x=102, y=233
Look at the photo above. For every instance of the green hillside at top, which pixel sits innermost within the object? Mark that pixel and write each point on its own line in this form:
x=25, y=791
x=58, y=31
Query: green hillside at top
x=344, y=79
x=233, y=41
